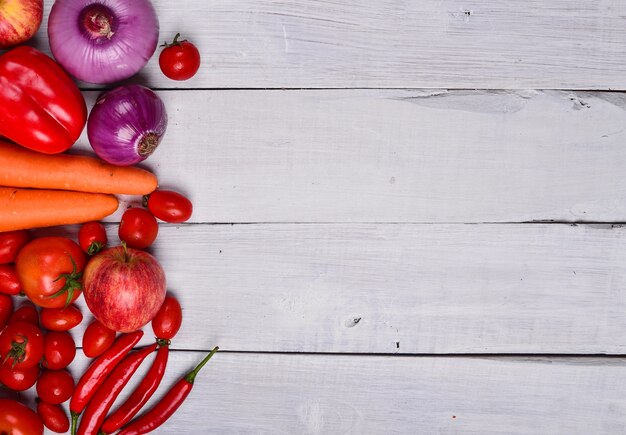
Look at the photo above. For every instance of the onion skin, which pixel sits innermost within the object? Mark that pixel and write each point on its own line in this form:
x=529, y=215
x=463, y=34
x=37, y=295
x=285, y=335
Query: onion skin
x=124, y=288
x=103, y=41
x=126, y=125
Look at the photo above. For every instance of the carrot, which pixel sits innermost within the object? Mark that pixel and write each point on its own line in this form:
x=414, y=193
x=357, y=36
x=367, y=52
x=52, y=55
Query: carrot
x=25, y=168
x=33, y=208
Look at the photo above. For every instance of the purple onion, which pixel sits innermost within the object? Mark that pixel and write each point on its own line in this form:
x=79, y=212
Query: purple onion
x=126, y=124
x=103, y=41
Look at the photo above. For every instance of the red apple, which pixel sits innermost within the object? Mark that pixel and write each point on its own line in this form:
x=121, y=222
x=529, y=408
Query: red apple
x=124, y=288
x=19, y=20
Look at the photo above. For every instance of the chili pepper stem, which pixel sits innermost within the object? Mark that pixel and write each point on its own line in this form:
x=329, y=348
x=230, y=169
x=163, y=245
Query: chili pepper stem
x=191, y=376
x=75, y=416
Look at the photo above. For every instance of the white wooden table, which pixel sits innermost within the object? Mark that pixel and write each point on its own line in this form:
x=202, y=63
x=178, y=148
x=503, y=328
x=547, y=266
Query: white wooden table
x=407, y=215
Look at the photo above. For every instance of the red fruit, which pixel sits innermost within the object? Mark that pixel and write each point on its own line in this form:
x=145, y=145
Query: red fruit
x=55, y=386
x=124, y=288
x=138, y=228
x=61, y=319
x=167, y=321
x=11, y=242
x=18, y=379
x=96, y=339
x=9, y=284
x=59, y=350
x=53, y=417
x=17, y=418
x=19, y=21
x=26, y=313
x=6, y=310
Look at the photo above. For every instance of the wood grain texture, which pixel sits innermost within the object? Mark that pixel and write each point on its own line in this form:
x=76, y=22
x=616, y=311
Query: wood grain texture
x=536, y=288
x=317, y=394
x=560, y=44
x=394, y=156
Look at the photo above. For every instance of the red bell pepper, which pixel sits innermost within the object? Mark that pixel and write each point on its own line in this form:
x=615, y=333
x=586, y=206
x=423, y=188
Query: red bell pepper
x=41, y=107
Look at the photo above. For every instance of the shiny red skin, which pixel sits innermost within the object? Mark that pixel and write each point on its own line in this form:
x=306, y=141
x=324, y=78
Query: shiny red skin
x=180, y=60
x=169, y=206
x=53, y=417
x=6, y=310
x=21, y=332
x=92, y=237
x=41, y=262
x=61, y=319
x=41, y=107
x=138, y=228
x=9, y=284
x=142, y=393
x=168, y=319
x=124, y=288
x=26, y=312
x=10, y=244
x=19, y=21
x=18, y=419
x=105, y=396
x=59, y=350
x=97, y=339
x=18, y=379
x=97, y=372
x=55, y=386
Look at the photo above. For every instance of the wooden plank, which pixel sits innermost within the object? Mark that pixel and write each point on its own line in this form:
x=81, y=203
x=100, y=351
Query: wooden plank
x=536, y=288
x=564, y=44
x=314, y=394
x=395, y=156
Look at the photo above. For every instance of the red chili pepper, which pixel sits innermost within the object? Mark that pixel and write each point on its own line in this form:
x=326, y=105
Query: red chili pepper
x=102, y=401
x=159, y=413
x=95, y=375
x=142, y=393
x=41, y=107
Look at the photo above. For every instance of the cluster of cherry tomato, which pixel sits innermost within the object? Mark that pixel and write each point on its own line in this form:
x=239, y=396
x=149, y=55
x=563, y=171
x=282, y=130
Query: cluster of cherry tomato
x=36, y=346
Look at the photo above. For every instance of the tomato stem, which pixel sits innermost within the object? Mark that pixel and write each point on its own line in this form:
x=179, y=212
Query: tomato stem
x=94, y=248
x=72, y=283
x=17, y=352
x=191, y=376
x=174, y=42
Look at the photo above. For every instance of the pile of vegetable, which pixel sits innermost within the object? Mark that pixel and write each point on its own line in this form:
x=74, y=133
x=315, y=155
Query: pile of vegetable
x=42, y=184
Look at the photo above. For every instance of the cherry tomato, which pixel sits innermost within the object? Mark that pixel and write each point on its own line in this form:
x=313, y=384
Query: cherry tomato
x=168, y=319
x=179, y=60
x=21, y=345
x=138, y=228
x=18, y=419
x=55, y=386
x=59, y=350
x=92, y=237
x=18, y=379
x=169, y=206
x=50, y=269
x=6, y=310
x=61, y=319
x=27, y=312
x=53, y=417
x=96, y=339
x=9, y=284
x=10, y=244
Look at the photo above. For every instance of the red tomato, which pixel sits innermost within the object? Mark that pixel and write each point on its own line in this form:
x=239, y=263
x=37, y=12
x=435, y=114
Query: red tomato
x=18, y=379
x=18, y=419
x=50, y=269
x=21, y=345
x=53, y=416
x=59, y=350
x=167, y=321
x=27, y=312
x=6, y=310
x=9, y=284
x=179, y=60
x=10, y=244
x=138, y=228
x=97, y=338
x=61, y=319
x=55, y=386
x=169, y=206
x=92, y=237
